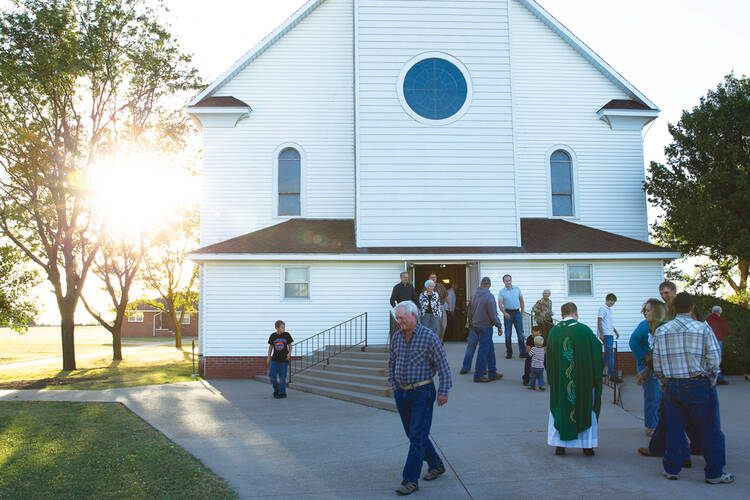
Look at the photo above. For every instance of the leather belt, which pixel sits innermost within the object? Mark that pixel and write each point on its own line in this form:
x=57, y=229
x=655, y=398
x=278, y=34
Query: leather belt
x=415, y=384
x=512, y=310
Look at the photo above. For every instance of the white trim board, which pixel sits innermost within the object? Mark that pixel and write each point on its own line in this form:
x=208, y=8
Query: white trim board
x=197, y=257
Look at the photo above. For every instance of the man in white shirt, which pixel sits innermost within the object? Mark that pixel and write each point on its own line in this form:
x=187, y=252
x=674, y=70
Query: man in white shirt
x=510, y=300
x=607, y=334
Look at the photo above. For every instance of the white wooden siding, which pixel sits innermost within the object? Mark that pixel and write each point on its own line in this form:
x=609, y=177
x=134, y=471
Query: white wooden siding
x=632, y=281
x=241, y=302
x=556, y=94
x=423, y=185
x=300, y=90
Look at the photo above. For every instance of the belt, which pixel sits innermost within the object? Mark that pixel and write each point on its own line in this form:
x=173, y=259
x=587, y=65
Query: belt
x=415, y=384
x=512, y=310
x=697, y=377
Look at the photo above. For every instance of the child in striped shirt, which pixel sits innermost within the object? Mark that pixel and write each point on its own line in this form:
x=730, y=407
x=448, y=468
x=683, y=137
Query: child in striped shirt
x=537, y=363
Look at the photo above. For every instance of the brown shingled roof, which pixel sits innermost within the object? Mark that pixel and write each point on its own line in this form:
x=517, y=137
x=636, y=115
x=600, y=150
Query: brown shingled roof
x=221, y=102
x=336, y=236
x=624, y=104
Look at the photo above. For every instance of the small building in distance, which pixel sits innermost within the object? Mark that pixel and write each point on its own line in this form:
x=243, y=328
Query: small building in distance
x=145, y=320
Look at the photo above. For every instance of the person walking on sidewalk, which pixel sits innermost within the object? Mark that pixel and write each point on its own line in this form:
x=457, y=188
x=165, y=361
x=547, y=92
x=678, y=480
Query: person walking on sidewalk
x=510, y=300
x=482, y=315
x=686, y=362
x=416, y=353
x=279, y=354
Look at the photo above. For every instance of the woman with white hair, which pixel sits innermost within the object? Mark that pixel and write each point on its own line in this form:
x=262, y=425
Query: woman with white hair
x=429, y=302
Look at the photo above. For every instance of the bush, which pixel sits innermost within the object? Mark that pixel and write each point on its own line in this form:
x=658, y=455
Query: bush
x=736, y=354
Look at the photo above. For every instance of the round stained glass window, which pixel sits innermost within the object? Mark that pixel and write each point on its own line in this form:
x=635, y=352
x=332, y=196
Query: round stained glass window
x=435, y=88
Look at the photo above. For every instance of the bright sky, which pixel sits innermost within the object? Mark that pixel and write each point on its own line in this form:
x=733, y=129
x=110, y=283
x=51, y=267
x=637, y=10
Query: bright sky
x=671, y=50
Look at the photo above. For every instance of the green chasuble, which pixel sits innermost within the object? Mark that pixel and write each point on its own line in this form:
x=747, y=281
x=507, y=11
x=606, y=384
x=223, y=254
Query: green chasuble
x=574, y=369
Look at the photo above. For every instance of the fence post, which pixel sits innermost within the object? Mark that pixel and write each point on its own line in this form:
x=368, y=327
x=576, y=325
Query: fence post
x=365, y=330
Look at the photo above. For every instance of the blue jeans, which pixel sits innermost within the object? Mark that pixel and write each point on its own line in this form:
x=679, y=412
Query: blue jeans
x=486, y=362
x=415, y=408
x=651, y=398
x=278, y=369
x=432, y=322
x=609, y=355
x=537, y=374
x=517, y=320
x=471, y=345
x=693, y=401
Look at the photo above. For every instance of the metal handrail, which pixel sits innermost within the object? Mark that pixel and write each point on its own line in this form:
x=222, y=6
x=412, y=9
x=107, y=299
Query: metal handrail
x=329, y=343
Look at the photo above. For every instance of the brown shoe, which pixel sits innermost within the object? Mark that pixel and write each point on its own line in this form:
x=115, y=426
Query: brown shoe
x=497, y=376
x=463, y=372
x=589, y=452
x=483, y=379
x=559, y=450
x=645, y=452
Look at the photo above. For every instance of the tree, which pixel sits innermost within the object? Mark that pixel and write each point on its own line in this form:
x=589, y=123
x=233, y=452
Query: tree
x=73, y=74
x=704, y=189
x=167, y=271
x=15, y=282
x=117, y=266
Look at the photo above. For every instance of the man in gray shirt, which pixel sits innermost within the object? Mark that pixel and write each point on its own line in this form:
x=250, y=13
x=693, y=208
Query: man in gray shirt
x=482, y=315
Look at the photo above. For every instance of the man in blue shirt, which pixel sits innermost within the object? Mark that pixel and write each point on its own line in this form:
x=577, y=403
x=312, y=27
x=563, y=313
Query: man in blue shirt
x=510, y=300
x=416, y=354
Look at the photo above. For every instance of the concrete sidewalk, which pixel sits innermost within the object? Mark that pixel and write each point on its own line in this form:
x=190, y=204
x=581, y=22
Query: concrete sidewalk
x=493, y=437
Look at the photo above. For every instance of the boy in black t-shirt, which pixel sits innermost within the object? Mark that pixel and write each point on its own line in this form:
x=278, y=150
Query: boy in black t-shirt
x=279, y=354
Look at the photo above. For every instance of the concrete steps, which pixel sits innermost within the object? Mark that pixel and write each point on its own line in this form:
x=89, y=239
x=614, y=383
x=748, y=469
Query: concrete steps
x=356, y=376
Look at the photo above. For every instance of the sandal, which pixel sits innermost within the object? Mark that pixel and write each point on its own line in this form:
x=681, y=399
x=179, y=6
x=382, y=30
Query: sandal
x=725, y=478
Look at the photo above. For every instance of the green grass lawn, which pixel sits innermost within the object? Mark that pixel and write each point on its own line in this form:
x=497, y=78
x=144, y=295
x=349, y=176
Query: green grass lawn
x=149, y=364
x=94, y=450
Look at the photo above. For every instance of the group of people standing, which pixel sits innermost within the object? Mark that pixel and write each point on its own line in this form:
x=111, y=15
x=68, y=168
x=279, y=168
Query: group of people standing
x=681, y=352
x=436, y=303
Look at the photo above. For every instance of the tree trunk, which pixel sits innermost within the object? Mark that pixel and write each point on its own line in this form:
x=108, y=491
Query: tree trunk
x=177, y=333
x=67, y=318
x=117, y=341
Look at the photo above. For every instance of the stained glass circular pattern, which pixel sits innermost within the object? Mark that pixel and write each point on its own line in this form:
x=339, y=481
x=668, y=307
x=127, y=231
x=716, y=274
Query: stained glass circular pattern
x=435, y=89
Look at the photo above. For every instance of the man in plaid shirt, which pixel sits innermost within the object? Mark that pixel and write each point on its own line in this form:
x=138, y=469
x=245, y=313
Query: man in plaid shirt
x=416, y=354
x=686, y=361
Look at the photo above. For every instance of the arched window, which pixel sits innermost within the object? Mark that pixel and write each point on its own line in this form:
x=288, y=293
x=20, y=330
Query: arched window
x=561, y=176
x=289, y=182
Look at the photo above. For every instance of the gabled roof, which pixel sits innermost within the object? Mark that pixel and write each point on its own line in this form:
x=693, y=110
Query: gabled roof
x=531, y=5
x=261, y=47
x=586, y=52
x=336, y=236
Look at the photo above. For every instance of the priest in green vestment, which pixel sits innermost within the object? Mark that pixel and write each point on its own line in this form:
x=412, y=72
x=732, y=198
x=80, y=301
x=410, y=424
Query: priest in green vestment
x=574, y=370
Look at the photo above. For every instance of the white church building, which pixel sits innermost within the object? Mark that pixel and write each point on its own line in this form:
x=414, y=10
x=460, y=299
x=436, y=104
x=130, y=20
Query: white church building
x=366, y=137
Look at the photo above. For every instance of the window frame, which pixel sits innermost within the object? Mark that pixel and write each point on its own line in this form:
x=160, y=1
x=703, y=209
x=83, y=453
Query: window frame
x=567, y=278
x=284, y=282
x=136, y=314
x=186, y=316
x=573, y=180
x=302, y=178
x=429, y=55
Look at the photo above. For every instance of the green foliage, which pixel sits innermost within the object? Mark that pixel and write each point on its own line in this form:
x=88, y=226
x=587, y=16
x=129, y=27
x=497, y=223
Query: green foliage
x=736, y=354
x=95, y=450
x=704, y=189
x=15, y=281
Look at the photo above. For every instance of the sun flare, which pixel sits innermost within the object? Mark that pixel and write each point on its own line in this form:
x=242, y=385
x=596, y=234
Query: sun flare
x=137, y=193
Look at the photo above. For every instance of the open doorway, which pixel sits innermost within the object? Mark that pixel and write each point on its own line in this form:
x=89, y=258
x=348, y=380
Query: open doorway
x=455, y=275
